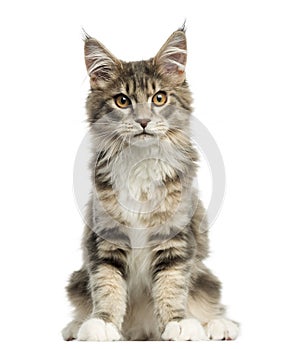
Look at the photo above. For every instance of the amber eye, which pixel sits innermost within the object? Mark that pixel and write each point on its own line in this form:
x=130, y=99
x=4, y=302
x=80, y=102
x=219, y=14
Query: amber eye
x=122, y=101
x=160, y=98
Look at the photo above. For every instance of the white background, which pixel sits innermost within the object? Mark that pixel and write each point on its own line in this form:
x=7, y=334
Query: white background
x=244, y=70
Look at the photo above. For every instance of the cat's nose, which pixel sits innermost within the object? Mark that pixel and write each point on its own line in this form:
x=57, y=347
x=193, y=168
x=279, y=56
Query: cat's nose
x=143, y=122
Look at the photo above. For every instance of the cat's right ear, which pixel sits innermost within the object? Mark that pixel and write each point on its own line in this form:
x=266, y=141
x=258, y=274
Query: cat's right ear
x=171, y=58
x=101, y=65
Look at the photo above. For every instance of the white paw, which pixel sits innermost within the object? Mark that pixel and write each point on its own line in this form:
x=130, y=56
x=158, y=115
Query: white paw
x=219, y=329
x=70, y=331
x=98, y=330
x=184, y=330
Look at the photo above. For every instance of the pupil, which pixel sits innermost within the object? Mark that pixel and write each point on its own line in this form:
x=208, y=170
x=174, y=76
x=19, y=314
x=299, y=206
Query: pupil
x=123, y=100
x=159, y=98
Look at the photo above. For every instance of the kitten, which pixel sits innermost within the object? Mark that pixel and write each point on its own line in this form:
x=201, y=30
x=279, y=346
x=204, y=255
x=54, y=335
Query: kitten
x=145, y=240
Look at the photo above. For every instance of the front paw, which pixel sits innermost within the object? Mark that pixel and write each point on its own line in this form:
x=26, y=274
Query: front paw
x=184, y=330
x=97, y=330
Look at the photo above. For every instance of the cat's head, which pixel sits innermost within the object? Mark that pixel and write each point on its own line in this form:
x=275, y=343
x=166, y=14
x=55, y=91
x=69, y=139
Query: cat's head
x=138, y=101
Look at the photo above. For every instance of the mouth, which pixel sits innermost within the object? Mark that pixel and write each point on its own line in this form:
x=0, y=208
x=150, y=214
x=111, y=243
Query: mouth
x=143, y=134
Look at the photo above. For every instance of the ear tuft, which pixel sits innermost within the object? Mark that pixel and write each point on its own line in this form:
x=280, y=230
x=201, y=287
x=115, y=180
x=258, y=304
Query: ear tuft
x=85, y=35
x=171, y=58
x=183, y=27
x=100, y=63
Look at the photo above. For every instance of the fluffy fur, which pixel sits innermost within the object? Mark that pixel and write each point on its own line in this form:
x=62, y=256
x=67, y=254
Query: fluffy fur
x=145, y=239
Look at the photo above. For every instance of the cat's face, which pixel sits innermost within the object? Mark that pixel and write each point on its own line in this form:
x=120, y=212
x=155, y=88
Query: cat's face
x=136, y=102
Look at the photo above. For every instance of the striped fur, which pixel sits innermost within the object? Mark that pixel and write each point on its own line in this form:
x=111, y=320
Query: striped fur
x=145, y=239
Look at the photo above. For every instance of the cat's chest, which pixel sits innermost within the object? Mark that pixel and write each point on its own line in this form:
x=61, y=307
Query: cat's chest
x=140, y=180
x=139, y=271
x=139, y=184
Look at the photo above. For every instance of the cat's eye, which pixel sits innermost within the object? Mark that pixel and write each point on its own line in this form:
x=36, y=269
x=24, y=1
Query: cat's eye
x=160, y=98
x=122, y=101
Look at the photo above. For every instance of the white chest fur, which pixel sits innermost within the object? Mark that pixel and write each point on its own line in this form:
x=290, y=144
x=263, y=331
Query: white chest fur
x=138, y=180
x=139, y=265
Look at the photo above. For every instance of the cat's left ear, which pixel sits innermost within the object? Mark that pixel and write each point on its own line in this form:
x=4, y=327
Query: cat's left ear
x=171, y=58
x=102, y=66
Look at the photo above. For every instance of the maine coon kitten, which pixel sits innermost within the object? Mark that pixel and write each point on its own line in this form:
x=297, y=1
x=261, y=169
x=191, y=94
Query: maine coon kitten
x=145, y=239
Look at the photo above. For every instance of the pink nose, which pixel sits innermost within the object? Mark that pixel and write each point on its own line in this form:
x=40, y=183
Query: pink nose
x=143, y=122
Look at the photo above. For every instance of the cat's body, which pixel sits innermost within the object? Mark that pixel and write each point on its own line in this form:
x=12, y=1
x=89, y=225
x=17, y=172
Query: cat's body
x=145, y=239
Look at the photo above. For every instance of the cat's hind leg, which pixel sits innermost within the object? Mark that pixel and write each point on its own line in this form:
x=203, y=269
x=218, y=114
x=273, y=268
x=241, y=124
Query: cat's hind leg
x=204, y=305
x=222, y=329
x=70, y=332
x=79, y=296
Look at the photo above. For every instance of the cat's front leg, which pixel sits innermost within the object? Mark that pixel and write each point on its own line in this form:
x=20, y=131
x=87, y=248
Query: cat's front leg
x=109, y=294
x=171, y=275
